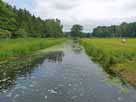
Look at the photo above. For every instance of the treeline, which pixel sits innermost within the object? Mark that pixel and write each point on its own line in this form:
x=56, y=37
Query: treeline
x=20, y=23
x=122, y=30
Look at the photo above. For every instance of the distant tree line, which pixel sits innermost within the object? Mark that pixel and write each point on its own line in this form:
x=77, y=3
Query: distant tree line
x=122, y=30
x=20, y=23
x=77, y=31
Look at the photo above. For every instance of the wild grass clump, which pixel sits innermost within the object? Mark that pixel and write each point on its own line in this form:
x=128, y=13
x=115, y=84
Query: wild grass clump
x=110, y=51
x=20, y=47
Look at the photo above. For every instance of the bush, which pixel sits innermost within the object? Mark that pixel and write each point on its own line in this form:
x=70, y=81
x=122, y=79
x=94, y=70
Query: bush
x=5, y=34
x=21, y=33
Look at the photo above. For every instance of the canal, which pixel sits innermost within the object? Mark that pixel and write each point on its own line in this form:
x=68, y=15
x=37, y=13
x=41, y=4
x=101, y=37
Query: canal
x=65, y=75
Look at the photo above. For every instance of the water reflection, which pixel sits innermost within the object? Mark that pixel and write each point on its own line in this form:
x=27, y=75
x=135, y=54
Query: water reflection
x=77, y=49
x=12, y=70
x=55, y=57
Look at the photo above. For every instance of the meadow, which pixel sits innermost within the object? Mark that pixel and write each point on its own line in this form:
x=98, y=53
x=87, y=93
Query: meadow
x=19, y=47
x=114, y=55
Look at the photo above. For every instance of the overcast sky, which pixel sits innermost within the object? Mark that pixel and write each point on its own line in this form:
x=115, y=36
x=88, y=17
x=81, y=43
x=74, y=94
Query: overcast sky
x=89, y=13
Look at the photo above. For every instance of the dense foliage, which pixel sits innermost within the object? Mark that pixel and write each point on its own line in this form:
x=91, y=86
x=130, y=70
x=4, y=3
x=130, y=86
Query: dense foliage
x=16, y=23
x=76, y=30
x=123, y=30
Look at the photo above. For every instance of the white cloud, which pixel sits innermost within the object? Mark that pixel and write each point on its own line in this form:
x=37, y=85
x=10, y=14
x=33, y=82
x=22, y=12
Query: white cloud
x=86, y=12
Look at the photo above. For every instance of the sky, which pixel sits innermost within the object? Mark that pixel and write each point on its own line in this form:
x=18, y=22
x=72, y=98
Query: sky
x=89, y=13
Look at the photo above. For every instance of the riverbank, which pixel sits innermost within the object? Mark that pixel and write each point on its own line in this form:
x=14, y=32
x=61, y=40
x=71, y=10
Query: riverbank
x=127, y=70
x=12, y=48
x=114, y=55
x=11, y=67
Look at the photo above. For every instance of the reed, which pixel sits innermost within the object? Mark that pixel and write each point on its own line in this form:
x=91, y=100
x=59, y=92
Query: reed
x=21, y=47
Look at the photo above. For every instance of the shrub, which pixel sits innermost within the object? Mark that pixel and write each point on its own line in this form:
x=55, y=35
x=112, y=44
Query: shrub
x=5, y=34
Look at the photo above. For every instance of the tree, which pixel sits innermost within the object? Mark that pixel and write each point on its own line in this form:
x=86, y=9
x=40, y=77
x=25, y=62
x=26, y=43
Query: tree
x=5, y=34
x=53, y=28
x=21, y=33
x=76, y=30
x=122, y=30
x=20, y=23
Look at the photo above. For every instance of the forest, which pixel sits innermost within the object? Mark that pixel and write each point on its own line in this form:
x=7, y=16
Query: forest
x=20, y=23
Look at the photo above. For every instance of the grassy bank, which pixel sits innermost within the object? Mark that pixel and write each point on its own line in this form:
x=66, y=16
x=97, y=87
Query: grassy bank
x=20, y=47
x=114, y=55
x=12, y=67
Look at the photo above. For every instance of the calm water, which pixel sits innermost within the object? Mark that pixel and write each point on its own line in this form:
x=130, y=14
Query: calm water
x=64, y=76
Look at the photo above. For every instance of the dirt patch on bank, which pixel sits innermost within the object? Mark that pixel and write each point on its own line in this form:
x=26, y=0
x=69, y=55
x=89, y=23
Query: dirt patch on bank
x=127, y=71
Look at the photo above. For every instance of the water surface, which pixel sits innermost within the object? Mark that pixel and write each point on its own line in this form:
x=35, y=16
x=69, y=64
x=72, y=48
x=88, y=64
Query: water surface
x=67, y=75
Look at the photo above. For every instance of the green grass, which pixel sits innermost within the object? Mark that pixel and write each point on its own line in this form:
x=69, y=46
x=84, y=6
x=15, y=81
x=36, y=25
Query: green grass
x=110, y=51
x=113, y=55
x=21, y=47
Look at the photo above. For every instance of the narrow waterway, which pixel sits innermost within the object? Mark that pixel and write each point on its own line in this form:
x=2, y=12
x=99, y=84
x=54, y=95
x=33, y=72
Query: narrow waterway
x=67, y=75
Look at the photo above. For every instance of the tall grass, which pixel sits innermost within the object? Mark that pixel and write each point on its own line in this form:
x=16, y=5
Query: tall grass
x=110, y=51
x=20, y=47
